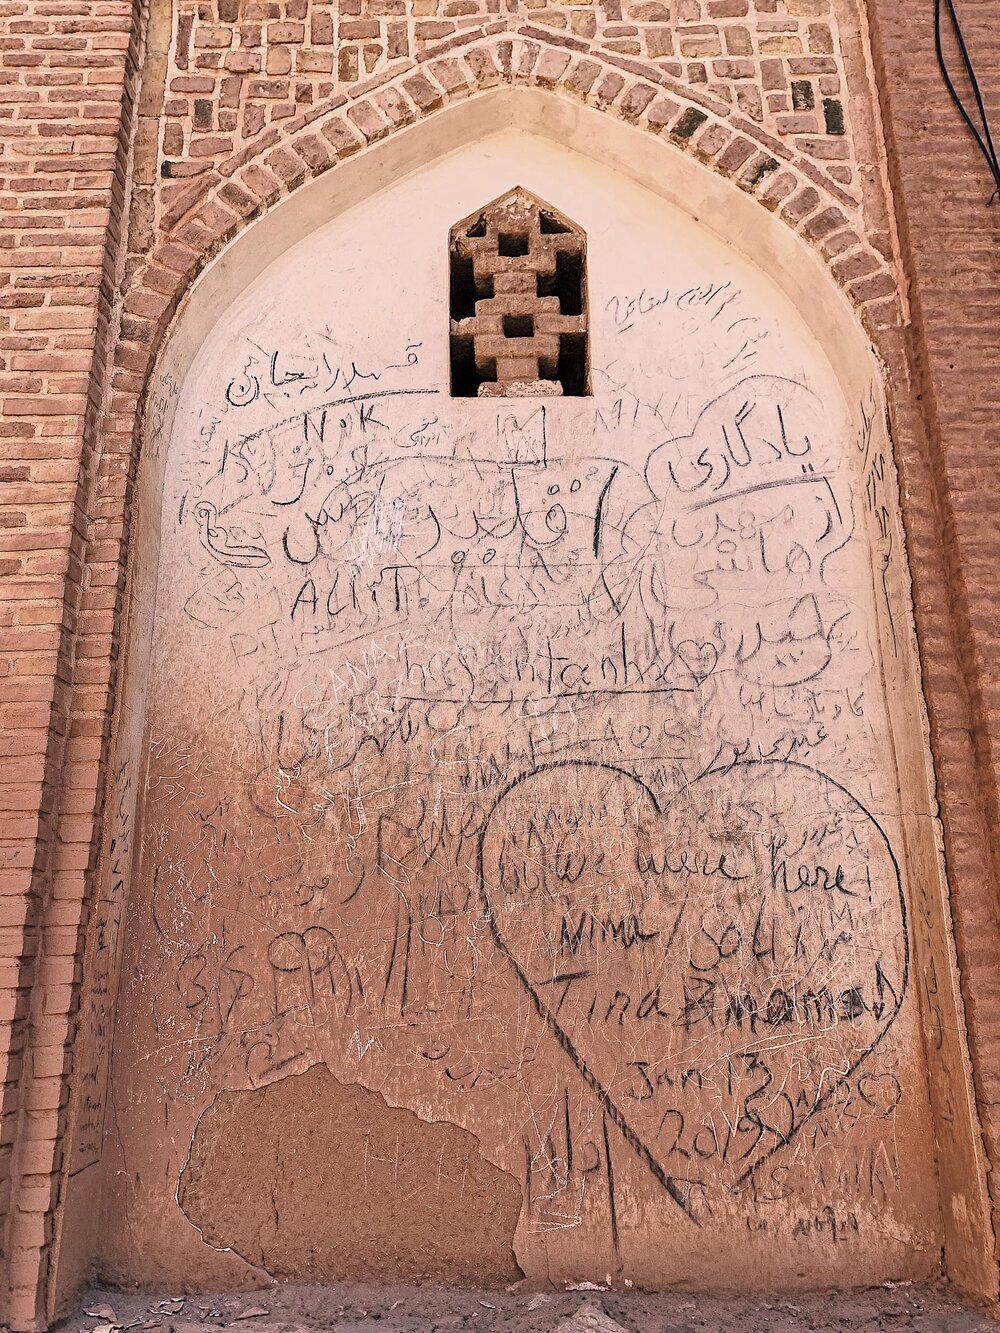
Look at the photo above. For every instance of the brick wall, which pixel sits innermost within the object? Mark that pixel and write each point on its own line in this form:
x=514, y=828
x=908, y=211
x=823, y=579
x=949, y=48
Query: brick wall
x=243, y=68
x=951, y=251
x=243, y=101
x=66, y=97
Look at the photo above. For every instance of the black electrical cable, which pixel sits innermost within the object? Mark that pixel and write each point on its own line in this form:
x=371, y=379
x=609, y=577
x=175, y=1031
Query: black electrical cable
x=982, y=137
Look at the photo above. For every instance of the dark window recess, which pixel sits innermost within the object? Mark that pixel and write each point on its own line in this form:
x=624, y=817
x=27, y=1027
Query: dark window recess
x=549, y=224
x=572, y=370
x=464, y=376
x=463, y=288
x=566, y=283
x=511, y=245
x=518, y=326
x=519, y=321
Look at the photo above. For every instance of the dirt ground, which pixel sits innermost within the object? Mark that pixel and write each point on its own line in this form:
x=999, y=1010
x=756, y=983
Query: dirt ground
x=355, y=1308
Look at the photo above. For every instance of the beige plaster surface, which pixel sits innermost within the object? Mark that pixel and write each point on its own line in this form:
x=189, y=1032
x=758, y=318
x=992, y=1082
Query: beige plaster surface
x=528, y=765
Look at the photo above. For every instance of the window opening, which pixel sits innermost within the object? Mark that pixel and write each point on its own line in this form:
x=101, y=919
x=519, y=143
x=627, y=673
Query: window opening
x=519, y=325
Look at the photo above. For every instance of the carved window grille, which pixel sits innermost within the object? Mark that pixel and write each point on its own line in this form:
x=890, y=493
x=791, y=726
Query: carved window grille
x=519, y=324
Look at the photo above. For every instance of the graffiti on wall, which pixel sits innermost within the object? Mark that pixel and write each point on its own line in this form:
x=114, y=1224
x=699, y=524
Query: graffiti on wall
x=528, y=763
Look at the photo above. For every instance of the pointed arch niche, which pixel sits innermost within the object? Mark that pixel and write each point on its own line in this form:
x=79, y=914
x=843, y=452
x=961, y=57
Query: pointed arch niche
x=521, y=850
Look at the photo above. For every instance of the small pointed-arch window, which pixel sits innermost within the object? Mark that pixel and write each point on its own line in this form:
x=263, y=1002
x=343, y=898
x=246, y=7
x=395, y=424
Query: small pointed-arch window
x=519, y=302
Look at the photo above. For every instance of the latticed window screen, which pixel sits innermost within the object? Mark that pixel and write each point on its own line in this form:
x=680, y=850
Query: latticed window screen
x=518, y=302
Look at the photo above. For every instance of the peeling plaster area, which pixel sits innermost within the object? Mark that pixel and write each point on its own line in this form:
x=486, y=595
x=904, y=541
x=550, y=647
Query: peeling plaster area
x=309, y=1179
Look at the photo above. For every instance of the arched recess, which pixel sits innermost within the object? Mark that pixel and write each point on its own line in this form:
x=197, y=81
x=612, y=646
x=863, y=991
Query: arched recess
x=842, y=1152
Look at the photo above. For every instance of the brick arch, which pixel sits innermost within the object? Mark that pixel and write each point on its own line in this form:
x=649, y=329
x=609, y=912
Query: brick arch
x=204, y=215
x=200, y=216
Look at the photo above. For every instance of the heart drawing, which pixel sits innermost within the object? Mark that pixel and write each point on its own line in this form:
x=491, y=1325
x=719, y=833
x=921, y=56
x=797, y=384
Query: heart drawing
x=715, y=969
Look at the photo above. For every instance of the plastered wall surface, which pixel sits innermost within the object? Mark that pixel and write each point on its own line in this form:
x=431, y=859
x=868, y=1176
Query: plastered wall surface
x=528, y=766
x=142, y=140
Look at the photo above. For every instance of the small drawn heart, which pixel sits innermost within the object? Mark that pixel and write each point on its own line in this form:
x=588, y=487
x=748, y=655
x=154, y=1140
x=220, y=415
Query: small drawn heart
x=715, y=970
x=701, y=659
